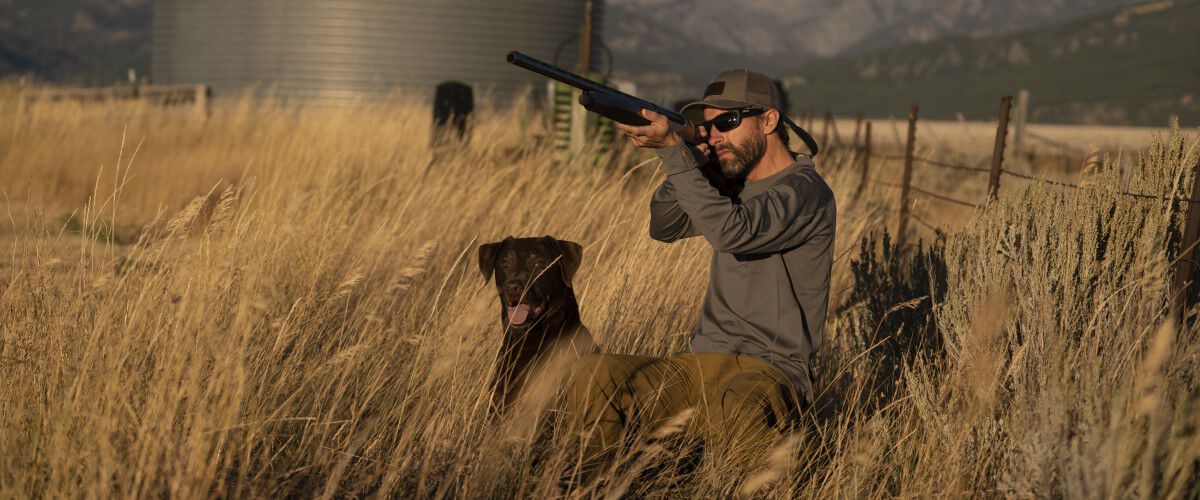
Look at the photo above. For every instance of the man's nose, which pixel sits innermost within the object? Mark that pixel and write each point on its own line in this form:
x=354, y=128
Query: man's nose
x=715, y=138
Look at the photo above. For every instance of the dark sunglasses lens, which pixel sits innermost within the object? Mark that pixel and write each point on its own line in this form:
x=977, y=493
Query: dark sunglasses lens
x=727, y=121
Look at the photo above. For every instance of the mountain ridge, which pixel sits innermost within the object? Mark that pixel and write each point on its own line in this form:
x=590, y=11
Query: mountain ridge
x=1131, y=65
x=658, y=41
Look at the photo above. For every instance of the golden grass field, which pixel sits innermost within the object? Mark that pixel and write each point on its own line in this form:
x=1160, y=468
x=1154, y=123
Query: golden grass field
x=285, y=301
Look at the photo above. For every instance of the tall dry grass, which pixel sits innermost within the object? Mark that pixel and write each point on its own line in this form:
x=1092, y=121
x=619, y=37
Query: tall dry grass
x=283, y=300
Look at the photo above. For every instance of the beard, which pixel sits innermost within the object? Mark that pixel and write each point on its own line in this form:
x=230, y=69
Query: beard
x=744, y=157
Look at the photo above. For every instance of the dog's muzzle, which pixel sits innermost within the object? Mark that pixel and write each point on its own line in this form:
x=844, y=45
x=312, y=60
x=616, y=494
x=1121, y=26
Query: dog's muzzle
x=523, y=314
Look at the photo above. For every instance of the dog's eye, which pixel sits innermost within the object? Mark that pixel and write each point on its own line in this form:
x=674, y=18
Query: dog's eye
x=506, y=263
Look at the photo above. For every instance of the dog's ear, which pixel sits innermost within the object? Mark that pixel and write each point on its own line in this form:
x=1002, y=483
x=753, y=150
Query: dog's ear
x=572, y=256
x=487, y=257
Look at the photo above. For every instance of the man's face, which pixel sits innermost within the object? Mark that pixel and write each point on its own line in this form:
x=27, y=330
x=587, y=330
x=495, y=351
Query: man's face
x=739, y=149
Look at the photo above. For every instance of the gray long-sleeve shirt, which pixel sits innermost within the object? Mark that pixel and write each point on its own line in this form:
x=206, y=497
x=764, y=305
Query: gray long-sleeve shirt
x=772, y=251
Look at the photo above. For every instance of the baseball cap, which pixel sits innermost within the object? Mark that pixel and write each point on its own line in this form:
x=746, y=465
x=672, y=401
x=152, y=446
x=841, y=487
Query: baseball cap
x=741, y=88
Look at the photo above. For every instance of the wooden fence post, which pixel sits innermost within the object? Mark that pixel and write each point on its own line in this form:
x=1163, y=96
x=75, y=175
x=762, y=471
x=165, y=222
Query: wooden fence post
x=1187, y=254
x=998, y=149
x=825, y=140
x=200, y=97
x=837, y=137
x=855, y=149
x=866, y=162
x=902, y=223
x=22, y=99
x=1018, y=142
x=858, y=121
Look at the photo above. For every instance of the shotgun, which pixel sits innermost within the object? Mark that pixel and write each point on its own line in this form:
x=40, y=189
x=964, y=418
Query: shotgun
x=607, y=101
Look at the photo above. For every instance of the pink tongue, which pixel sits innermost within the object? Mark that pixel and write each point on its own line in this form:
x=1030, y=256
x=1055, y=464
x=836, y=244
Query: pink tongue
x=518, y=315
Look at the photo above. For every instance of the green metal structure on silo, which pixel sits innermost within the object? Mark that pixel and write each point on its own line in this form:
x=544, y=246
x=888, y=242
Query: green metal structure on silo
x=573, y=127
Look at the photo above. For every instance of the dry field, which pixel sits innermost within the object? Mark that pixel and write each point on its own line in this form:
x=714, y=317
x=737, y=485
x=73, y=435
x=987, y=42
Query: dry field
x=977, y=137
x=284, y=301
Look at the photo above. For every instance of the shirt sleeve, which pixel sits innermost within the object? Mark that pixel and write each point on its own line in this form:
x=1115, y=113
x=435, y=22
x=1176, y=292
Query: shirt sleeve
x=788, y=214
x=668, y=221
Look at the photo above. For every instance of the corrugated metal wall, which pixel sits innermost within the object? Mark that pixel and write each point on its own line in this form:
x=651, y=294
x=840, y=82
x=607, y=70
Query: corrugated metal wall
x=352, y=48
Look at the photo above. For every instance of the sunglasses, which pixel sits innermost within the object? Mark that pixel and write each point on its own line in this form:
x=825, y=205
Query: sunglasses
x=730, y=120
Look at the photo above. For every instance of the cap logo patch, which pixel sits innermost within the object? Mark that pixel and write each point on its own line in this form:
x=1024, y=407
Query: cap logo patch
x=714, y=88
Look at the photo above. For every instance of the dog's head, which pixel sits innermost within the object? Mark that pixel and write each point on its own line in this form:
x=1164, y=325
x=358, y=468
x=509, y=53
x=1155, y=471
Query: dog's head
x=533, y=276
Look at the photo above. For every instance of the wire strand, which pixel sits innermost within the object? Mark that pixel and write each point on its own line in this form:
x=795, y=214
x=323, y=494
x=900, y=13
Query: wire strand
x=935, y=163
x=926, y=193
x=1012, y=173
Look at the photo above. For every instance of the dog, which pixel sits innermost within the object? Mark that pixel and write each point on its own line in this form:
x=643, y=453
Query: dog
x=538, y=310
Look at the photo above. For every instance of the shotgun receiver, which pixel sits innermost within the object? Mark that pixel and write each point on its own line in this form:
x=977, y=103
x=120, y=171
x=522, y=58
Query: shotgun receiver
x=604, y=100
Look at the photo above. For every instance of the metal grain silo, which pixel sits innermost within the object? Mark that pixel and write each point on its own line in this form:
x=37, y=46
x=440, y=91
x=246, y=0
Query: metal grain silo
x=347, y=49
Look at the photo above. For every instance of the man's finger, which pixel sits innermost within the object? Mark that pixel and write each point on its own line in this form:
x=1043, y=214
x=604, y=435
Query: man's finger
x=634, y=129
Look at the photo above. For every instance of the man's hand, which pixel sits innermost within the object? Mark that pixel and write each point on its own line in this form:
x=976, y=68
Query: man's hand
x=657, y=134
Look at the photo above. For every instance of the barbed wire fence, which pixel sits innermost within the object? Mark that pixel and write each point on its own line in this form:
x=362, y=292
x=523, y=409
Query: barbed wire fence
x=863, y=156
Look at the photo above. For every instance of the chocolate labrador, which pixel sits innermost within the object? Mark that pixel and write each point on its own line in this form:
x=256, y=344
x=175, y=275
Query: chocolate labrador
x=538, y=310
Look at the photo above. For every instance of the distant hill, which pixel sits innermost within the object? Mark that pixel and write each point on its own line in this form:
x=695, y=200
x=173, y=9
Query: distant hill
x=1133, y=65
x=75, y=41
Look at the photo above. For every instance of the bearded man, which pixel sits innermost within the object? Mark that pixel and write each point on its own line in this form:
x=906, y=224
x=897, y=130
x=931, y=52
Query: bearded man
x=748, y=371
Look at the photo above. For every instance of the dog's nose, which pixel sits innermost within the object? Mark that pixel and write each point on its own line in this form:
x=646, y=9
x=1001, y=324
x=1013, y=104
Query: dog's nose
x=513, y=289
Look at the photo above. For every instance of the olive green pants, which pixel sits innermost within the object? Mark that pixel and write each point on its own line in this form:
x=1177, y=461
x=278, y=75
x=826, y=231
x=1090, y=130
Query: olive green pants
x=737, y=404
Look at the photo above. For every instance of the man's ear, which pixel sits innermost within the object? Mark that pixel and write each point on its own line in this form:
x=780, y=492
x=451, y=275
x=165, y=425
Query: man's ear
x=571, y=256
x=770, y=120
x=487, y=257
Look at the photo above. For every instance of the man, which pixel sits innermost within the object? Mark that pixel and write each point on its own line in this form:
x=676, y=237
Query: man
x=748, y=371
